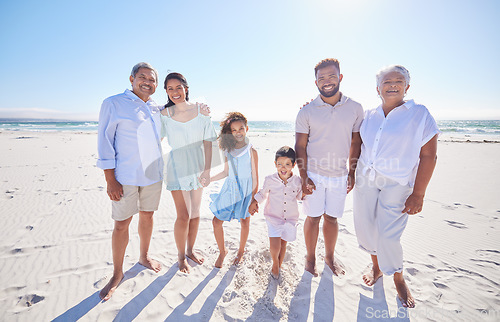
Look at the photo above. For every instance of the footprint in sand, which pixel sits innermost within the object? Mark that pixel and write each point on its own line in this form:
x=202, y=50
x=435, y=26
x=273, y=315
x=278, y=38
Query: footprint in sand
x=439, y=285
x=488, y=256
x=464, y=205
x=456, y=224
x=101, y=283
x=412, y=271
x=29, y=300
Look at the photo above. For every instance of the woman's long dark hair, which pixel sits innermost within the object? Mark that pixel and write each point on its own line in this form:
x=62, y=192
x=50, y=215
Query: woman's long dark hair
x=181, y=79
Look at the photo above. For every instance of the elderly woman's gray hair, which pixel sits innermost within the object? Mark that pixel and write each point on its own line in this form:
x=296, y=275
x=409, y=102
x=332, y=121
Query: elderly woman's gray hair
x=138, y=66
x=393, y=68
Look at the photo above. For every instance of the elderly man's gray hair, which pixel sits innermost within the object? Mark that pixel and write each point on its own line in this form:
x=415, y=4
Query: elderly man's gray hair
x=393, y=68
x=138, y=66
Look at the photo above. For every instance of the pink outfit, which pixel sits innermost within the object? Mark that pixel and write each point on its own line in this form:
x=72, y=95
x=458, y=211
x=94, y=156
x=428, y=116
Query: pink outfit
x=281, y=208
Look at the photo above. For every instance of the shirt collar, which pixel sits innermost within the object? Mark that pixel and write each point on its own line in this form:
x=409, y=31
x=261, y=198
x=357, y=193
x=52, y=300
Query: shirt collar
x=277, y=176
x=134, y=97
x=318, y=101
x=408, y=105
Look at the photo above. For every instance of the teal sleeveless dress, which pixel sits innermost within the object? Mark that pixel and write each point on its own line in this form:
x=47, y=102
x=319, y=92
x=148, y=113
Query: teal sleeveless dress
x=236, y=194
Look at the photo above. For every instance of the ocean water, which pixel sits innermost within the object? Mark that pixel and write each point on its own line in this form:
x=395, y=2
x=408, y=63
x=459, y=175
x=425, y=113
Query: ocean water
x=461, y=130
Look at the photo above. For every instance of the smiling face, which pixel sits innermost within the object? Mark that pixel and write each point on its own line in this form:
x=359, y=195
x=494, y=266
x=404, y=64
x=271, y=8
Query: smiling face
x=392, y=88
x=239, y=131
x=144, y=83
x=328, y=81
x=176, y=91
x=284, y=165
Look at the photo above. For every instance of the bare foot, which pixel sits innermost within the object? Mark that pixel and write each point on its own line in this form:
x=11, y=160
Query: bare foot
x=150, y=263
x=195, y=258
x=404, y=294
x=275, y=271
x=335, y=266
x=238, y=259
x=110, y=288
x=220, y=259
x=311, y=267
x=183, y=266
x=372, y=276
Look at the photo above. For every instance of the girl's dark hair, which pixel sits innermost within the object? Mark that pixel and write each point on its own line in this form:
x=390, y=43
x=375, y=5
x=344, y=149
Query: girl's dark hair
x=285, y=151
x=181, y=79
x=227, y=142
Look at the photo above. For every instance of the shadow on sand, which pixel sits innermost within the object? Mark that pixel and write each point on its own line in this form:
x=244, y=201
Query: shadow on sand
x=265, y=306
x=132, y=309
x=324, y=300
x=84, y=307
x=376, y=308
x=301, y=300
x=210, y=303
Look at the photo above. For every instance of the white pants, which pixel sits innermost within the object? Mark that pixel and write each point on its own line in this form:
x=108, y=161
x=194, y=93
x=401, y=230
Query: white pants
x=378, y=220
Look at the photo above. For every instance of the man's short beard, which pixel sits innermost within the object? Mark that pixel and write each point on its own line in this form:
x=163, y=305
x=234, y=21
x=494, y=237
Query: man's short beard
x=330, y=94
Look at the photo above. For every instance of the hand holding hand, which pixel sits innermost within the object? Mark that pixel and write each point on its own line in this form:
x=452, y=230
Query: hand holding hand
x=308, y=186
x=254, y=207
x=205, y=178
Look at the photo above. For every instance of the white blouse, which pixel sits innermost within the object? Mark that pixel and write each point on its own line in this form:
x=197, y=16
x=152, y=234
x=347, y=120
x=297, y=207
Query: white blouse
x=391, y=145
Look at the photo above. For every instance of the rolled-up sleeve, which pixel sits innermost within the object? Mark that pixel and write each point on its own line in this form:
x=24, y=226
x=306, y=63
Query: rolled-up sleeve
x=430, y=129
x=299, y=190
x=106, y=137
x=262, y=193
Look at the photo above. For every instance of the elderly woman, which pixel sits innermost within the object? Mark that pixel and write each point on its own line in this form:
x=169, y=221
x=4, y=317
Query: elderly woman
x=398, y=156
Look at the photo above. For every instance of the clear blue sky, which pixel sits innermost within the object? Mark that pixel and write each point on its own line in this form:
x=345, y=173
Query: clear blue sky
x=62, y=58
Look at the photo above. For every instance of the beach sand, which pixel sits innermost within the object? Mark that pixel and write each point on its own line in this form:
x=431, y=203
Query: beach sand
x=55, y=247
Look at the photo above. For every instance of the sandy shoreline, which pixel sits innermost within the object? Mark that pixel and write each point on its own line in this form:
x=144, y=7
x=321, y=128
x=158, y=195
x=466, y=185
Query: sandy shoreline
x=56, y=229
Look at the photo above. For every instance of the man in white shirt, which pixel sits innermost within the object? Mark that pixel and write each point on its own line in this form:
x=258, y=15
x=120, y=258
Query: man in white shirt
x=130, y=155
x=326, y=138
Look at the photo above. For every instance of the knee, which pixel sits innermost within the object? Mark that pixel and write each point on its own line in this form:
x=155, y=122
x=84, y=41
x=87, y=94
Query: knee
x=216, y=222
x=121, y=226
x=183, y=218
x=313, y=220
x=330, y=220
x=245, y=223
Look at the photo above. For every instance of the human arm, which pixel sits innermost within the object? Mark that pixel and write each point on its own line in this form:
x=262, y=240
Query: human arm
x=106, y=149
x=428, y=157
x=205, y=175
x=354, y=153
x=223, y=173
x=301, y=140
x=255, y=171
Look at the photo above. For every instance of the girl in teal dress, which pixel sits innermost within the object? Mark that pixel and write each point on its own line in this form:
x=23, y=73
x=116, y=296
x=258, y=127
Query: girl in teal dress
x=190, y=135
x=240, y=168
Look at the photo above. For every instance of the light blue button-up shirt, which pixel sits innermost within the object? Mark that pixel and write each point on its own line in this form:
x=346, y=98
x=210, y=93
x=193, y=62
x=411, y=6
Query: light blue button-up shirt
x=129, y=139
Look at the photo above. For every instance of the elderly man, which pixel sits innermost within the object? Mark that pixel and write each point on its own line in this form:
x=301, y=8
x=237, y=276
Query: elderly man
x=326, y=137
x=130, y=154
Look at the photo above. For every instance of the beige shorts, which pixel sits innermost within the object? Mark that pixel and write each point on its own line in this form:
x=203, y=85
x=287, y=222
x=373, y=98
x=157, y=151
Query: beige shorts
x=136, y=199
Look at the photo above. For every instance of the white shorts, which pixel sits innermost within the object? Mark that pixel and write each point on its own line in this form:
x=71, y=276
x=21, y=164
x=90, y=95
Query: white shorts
x=136, y=199
x=328, y=198
x=286, y=231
